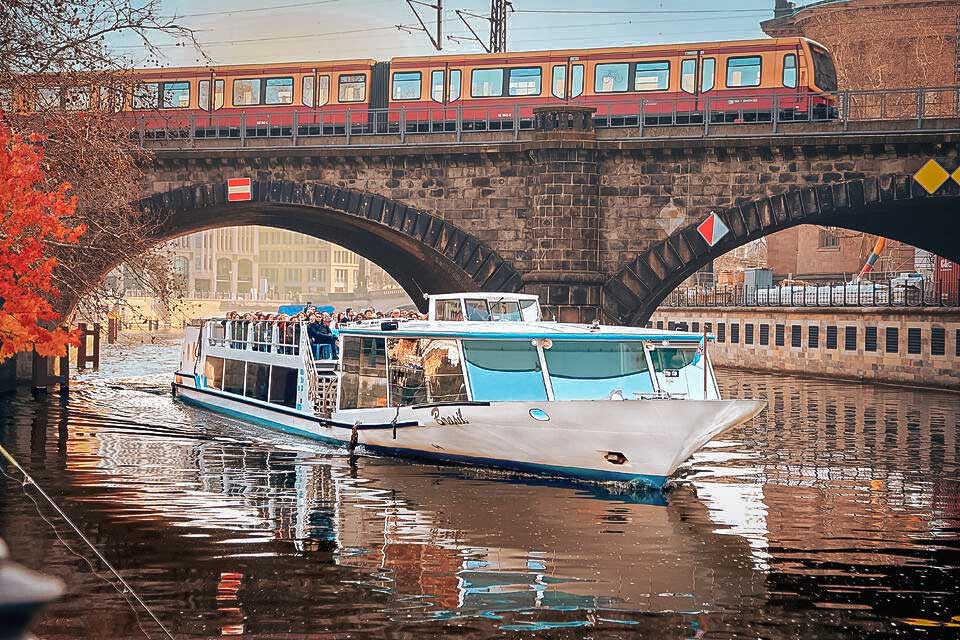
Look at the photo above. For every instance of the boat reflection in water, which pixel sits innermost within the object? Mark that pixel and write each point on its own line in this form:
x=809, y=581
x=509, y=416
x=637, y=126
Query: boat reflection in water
x=447, y=544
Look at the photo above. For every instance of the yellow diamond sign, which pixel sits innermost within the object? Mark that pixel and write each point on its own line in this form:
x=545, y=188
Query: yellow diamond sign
x=956, y=176
x=931, y=176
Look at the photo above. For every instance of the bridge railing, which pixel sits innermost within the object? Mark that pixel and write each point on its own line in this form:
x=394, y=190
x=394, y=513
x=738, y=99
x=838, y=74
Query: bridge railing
x=696, y=115
x=915, y=292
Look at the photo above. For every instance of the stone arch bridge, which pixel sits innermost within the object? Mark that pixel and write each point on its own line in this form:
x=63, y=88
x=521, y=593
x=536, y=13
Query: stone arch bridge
x=597, y=226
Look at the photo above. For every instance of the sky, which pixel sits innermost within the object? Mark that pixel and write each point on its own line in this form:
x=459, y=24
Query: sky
x=294, y=30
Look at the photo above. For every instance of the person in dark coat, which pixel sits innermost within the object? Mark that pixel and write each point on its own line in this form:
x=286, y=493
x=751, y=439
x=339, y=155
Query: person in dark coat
x=320, y=334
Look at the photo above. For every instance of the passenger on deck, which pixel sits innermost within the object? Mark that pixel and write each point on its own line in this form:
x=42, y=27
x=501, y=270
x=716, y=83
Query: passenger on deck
x=320, y=334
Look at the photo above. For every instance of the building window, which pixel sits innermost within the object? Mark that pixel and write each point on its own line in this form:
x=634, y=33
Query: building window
x=850, y=338
x=743, y=72
x=764, y=335
x=721, y=332
x=651, y=76
x=486, y=83
x=790, y=70
x=957, y=343
x=892, y=340
x=353, y=88
x=870, y=339
x=828, y=239
x=524, y=82
x=611, y=78
x=795, y=336
x=913, y=340
x=696, y=327
x=831, y=337
x=938, y=341
x=406, y=86
x=779, y=335
x=748, y=334
x=735, y=333
x=813, y=336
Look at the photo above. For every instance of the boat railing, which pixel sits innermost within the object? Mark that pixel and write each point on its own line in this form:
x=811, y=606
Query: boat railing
x=269, y=336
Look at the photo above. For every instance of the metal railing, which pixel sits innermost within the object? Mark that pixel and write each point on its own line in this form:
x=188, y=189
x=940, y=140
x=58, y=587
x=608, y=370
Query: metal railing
x=918, y=292
x=850, y=111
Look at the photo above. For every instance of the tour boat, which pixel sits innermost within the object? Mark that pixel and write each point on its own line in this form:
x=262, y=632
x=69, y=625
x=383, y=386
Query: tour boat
x=483, y=382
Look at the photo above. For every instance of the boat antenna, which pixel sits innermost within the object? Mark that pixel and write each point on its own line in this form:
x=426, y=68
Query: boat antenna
x=28, y=480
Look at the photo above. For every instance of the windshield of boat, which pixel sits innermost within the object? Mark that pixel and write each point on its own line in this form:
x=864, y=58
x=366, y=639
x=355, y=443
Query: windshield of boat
x=504, y=370
x=593, y=370
x=479, y=309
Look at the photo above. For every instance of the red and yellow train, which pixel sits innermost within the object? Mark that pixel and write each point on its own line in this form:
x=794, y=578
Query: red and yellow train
x=719, y=80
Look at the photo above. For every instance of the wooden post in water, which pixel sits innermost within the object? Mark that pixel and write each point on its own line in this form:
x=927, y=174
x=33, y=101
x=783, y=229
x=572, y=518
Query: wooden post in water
x=38, y=376
x=96, y=345
x=64, y=373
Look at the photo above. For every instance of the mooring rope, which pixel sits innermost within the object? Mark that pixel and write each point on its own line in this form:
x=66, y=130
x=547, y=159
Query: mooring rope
x=28, y=480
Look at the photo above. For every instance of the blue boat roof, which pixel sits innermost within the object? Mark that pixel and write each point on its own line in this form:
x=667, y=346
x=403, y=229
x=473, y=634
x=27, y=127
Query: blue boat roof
x=516, y=331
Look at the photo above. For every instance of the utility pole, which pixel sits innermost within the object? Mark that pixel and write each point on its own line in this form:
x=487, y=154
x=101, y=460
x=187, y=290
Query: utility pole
x=498, y=26
x=436, y=40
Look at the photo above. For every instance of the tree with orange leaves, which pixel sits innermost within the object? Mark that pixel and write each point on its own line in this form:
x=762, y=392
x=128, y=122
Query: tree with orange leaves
x=31, y=227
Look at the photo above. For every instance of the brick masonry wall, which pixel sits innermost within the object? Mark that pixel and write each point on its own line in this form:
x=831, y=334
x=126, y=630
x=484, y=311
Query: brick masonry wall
x=903, y=359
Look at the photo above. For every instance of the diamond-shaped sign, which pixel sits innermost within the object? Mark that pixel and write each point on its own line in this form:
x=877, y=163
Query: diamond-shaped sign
x=931, y=176
x=713, y=229
x=956, y=175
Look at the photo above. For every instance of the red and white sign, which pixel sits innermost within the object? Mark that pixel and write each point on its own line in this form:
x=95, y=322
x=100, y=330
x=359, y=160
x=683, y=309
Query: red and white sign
x=713, y=229
x=238, y=190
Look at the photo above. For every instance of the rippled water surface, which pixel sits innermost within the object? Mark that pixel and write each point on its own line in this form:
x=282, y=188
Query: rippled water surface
x=834, y=514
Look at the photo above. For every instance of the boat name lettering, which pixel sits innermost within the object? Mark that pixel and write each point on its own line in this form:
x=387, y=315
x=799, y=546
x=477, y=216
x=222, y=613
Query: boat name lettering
x=456, y=418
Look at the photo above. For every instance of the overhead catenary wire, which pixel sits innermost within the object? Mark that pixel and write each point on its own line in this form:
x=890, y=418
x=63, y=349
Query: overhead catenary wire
x=28, y=480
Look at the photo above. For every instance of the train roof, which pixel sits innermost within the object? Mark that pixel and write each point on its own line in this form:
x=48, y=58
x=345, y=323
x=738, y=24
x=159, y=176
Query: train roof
x=632, y=49
x=265, y=67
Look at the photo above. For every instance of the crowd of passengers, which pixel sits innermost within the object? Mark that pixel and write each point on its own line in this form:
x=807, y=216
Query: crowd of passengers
x=322, y=328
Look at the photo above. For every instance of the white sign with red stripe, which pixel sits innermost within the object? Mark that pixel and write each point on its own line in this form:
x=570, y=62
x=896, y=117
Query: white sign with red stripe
x=238, y=190
x=713, y=229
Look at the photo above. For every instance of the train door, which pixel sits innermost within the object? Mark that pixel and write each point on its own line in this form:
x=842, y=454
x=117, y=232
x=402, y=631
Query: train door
x=691, y=84
x=567, y=79
x=445, y=89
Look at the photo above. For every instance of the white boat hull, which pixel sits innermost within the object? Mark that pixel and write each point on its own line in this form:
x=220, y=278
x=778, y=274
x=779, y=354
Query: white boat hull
x=609, y=440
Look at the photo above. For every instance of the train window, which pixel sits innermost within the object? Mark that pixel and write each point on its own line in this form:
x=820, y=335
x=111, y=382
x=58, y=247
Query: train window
x=436, y=86
x=145, y=95
x=688, y=75
x=708, y=68
x=307, y=90
x=6, y=99
x=485, y=83
x=47, y=98
x=652, y=76
x=743, y=72
x=279, y=91
x=824, y=73
x=406, y=86
x=559, y=81
x=525, y=82
x=76, y=98
x=175, y=95
x=246, y=92
x=611, y=78
x=353, y=88
x=323, y=90
x=454, y=84
x=203, y=95
x=790, y=70
x=576, y=88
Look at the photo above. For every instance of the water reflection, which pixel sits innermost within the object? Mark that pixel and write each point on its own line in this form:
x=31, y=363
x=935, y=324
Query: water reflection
x=836, y=511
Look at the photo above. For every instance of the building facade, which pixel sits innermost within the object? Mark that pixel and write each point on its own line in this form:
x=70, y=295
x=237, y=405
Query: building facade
x=260, y=263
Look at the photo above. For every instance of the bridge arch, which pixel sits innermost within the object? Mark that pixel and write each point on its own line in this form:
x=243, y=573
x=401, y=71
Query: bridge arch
x=893, y=206
x=423, y=252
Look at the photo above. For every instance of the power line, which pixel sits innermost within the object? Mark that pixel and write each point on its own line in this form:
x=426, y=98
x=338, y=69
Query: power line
x=640, y=11
x=180, y=45
x=292, y=5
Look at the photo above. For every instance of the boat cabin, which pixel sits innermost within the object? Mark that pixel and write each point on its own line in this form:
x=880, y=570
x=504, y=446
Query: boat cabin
x=425, y=363
x=484, y=307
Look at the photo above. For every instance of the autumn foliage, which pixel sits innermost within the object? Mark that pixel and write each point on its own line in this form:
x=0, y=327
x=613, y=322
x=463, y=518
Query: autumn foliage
x=32, y=226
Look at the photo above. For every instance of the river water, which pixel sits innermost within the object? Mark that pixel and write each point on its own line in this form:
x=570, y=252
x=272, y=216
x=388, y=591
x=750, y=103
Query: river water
x=835, y=514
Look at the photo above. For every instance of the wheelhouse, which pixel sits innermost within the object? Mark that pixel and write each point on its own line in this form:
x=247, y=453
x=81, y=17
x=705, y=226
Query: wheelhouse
x=396, y=369
x=485, y=307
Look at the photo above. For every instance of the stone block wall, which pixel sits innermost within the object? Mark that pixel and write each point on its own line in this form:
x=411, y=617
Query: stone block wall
x=901, y=346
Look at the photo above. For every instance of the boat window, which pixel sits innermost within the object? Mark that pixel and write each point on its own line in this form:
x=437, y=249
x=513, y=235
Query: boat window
x=671, y=358
x=364, y=379
x=477, y=309
x=504, y=370
x=233, y=375
x=505, y=310
x=530, y=310
x=449, y=310
x=425, y=370
x=283, y=386
x=213, y=372
x=216, y=332
x=591, y=370
x=258, y=379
